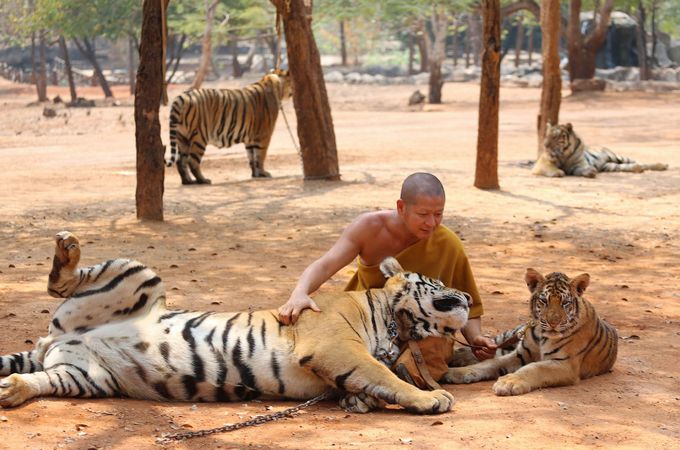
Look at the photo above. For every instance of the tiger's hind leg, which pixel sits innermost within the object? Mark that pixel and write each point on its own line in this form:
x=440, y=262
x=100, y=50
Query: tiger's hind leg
x=655, y=166
x=622, y=167
x=256, y=156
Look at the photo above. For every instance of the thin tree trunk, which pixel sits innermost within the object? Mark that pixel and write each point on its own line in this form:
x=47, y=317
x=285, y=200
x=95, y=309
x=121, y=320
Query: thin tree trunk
x=41, y=78
x=131, y=64
x=176, y=56
x=411, y=53
x=643, y=59
x=206, y=50
x=654, y=61
x=519, y=42
x=486, y=169
x=439, y=22
x=343, y=45
x=422, y=40
x=551, y=94
x=88, y=52
x=315, y=124
x=69, y=69
x=468, y=45
x=530, y=45
x=455, y=43
x=236, y=67
x=475, y=37
x=148, y=94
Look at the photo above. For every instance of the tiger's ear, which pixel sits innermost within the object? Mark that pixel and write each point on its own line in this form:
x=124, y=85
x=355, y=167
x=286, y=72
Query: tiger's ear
x=533, y=279
x=390, y=267
x=569, y=127
x=580, y=283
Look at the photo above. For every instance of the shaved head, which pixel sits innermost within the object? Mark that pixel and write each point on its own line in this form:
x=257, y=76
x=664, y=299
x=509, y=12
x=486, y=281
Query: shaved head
x=421, y=184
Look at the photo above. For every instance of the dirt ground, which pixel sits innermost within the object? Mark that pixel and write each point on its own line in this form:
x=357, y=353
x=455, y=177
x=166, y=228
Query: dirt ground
x=241, y=243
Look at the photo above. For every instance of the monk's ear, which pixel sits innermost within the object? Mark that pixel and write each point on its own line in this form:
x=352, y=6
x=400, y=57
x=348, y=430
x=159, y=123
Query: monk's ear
x=390, y=267
x=580, y=283
x=533, y=279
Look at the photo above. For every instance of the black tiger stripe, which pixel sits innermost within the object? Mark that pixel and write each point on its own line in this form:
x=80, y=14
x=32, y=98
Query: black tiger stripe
x=263, y=333
x=104, y=268
x=161, y=388
x=170, y=315
x=276, y=370
x=151, y=282
x=247, y=388
x=305, y=359
x=139, y=304
x=341, y=379
x=227, y=329
x=56, y=324
x=251, y=342
x=111, y=284
x=369, y=299
x=350, y=324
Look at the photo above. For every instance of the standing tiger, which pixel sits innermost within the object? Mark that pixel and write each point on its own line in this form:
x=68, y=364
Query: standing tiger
x=565, y=153
x=224, y=117
x=114, y=336
x=565, y=341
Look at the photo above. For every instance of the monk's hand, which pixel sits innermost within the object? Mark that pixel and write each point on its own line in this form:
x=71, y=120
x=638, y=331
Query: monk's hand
x=486, y=347
x=290, y=311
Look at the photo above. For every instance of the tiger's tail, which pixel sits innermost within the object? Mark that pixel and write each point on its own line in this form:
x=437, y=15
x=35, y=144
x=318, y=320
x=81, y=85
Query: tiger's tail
x=22, y=362
x=175, y=112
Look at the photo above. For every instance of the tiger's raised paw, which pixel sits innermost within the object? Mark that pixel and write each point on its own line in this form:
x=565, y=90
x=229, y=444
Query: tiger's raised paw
x=432, y=402
x=14, y=391
x=67, y=249
x=511, y=384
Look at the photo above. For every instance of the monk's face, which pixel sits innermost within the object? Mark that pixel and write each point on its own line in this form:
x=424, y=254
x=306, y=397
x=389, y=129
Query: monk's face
x=423, y=216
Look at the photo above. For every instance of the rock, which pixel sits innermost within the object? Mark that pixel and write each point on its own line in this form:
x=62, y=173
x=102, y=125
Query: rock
x=49, y=112
x=587, y=85
x=416, y=98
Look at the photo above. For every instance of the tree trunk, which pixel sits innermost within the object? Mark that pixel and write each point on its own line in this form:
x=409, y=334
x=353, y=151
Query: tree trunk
x=87, y=51
x=423, y=47
x=343, y=45
x=551, y=94
x=175, y=56
x=41, y=78
x=206, y=49
x=439, y=23
x=530, y=45
x=68, y=69
x=519, y=42
x=237, y=72
x=455, y=44
x=131, y=64
x=582, y=50
x=468, y=45
x=148, y=94
x=475, y=38
x=643, y=59
x=411, y=52
x=486, y=170
x=315, y=124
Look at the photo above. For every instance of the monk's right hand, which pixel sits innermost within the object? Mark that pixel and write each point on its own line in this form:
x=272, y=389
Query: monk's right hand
x=290, y=311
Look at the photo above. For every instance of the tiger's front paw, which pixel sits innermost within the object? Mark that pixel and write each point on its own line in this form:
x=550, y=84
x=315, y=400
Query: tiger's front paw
x=14, y=391
x=432, y=402
x=67, y=249
x=511, y=384
x=461, y=375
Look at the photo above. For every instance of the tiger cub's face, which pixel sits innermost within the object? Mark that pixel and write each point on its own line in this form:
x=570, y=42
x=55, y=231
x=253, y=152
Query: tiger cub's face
x=557, y=141
x=423, y=306
x=555, y=300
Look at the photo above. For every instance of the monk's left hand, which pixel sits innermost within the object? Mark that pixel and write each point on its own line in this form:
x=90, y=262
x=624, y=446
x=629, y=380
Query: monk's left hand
x=487, y=350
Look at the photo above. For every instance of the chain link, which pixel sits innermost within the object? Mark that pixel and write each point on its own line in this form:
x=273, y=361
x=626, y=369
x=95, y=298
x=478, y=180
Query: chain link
x=259, y=420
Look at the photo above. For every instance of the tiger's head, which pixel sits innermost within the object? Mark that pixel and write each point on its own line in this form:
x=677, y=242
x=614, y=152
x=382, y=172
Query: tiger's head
x=423, y=306
x=281, y=79
x=555, y=300
x=559, y=142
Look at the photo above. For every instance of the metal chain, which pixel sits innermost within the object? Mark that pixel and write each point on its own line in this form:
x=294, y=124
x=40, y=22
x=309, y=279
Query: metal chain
x=290, y=132
x=259, y=420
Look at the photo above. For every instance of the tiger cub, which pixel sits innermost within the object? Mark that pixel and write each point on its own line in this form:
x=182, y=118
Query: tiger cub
x=564, y=342
x=224, y=117
x=565, y=154
x=114, y=336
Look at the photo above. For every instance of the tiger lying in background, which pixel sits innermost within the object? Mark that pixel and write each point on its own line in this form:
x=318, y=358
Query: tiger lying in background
x=113, y=336
x=566, y=154
x=224, y=117
x=565, y=341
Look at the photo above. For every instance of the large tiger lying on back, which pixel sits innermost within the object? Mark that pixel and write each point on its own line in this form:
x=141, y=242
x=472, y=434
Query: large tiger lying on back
x=114, y=336
x=565, y=341
x=565, y=154
x=224, y=117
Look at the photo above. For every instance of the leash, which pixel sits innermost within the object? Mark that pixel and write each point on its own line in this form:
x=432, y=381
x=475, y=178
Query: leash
x=259, y=420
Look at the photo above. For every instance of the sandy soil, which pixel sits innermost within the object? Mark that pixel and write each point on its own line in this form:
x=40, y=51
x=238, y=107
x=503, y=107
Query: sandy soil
x=241, y=243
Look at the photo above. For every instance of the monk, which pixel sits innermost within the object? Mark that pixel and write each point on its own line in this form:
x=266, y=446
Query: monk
x=414, y=235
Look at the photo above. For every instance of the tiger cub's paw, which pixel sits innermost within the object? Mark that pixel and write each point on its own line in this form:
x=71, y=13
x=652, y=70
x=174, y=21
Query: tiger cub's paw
x=432, y=402
x=511, y=384
x=360, y=403
x=67, y=249
x=461, y=375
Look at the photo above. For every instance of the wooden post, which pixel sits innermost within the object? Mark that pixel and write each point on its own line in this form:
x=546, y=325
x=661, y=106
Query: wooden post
x=551, y=93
